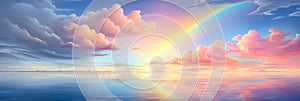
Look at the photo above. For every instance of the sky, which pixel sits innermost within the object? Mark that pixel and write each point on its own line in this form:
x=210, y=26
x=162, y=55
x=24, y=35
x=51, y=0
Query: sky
x=238, y=34
x=151, y=49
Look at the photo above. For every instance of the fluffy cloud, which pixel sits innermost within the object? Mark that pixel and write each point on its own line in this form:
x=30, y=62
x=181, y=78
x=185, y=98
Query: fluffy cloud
x=30, y=31
x=96, y=28
x=88, y=39
x=112, y=21
x=272, y=51
x=205, y=56
x=273, y=48
x=34, y=32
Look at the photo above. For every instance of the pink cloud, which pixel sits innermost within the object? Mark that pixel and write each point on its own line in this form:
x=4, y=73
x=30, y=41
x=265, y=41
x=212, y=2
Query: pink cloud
x=110, y=28
x=136, y=14
x=204, y=56
x=273, y=48
x=174, y=60
x=238, y=37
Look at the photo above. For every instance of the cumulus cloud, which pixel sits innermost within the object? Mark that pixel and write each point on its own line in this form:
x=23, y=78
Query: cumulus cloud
x=175, y=61
x=204, y=56
x=112, y=21
x=272, y=48
x=88, y=39
x=96, y=28
x=36, y=32
x=257, y=52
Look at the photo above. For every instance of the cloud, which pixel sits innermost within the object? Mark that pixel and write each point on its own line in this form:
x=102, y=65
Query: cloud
x=34, y=27
x=265, y=7
x=65, y=9
x=37, y=33
x=98, y=29
x=296, y=14
x=285, y=12
x=112, y=21
x=21, y=33
x=136, y=14
x=249, y=51
x=88, y=39
x=273, y=48
x=135, y=48
x=99, y=54
x=204, y=56
x=69, y=44
x=175, y=61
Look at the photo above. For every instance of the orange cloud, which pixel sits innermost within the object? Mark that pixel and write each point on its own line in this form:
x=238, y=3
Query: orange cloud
x=135, y=48
x=88, y=39
x=112, y=21
x=136, y=14
x=98, y=29
x=110, y=28
x=175, y=61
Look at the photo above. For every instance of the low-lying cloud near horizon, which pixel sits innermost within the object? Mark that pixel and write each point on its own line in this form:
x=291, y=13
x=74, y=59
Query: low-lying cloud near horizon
x=275, y=49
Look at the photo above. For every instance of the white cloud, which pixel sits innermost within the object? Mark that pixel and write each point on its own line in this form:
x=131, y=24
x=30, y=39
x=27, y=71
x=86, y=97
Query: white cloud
x=265, y=7
x=295, y=14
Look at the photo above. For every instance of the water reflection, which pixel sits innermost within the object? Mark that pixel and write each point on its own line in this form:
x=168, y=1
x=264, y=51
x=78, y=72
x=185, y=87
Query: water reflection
x=246, y=86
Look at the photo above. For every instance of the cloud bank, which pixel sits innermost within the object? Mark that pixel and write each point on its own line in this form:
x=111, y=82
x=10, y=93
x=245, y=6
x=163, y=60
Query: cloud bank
x=274, y=49
x=34, y=32
x=204, y=56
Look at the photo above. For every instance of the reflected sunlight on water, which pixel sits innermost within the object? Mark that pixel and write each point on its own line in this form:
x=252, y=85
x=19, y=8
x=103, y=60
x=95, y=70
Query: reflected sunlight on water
x=247, y=86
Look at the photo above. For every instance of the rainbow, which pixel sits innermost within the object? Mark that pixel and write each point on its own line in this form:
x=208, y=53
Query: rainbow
x=193, y=28
x=217, y=13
